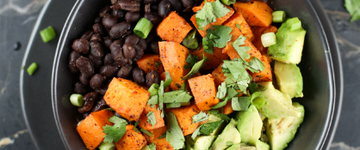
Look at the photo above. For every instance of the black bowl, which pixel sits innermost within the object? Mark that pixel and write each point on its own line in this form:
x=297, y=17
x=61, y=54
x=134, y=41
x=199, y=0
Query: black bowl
x=320, y=66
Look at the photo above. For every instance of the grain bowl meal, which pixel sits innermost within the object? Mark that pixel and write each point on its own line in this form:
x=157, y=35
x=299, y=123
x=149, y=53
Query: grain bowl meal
x=188, y=74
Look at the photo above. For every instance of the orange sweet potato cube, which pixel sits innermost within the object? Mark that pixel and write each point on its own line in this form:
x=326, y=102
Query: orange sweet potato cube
x=173, y=28
x=148, y=63
x=184, y=117
x=214, y=59
x=90, y=129
x=204, y=91
x=265, y=75
x=161, y=144
x=238, y=19
x=127, y=98
x=218, y=75
x=256, y=13
x=131, y=140
x=143, y=123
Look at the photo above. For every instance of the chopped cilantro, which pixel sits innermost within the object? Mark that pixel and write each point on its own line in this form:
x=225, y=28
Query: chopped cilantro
x=196, y=68
x=135, y=125
x=151, y=118
x=191, y=59
x=196, y=132
x=217, y=36
x=200, y=117
x=146, y=132
x=115, y=132
x=241, y=50
x=238, y=76
x=153, y=90
x=178, y=96
x=174, y=134
x=209, y=13
x=157, y=64
x=240, y=103
x=222, y=90
x=220, y=115
x=206, y=128
x=190, y=41
x=168, y=79
x=161, y=98
x=152, y=146
x=353, y=7
x=231, y=93
x=238, y=26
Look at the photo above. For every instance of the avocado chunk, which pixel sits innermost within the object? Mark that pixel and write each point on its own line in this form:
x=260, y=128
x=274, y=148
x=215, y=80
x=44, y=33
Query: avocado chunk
x=260, y=145
x=107, y=146
x=249, y=125
x=289, y=42
x=281, y=131
x=203, y=142
x=229, y=134
x=289, y=79
x=189, y=143
x=241, y=146
x=213, y=118
x=146, y=147
x=276, y=104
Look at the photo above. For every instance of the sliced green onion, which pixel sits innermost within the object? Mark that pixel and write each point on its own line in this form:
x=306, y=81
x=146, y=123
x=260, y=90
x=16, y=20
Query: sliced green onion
x=143, y=28
x=47, y=34
x=32, y=68
x=77, y=100
x=190, y=40
x=278, y=16
x=106, y=146
x=228, y=2
x=268, y=39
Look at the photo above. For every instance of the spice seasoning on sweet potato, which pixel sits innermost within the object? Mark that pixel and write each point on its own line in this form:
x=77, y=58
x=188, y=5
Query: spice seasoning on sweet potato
x=143, y=123
x=238, y=19
x=265, y=75
x=173, y=56
x=90, y=129
x=214, y=59
x=218, y=75
x=161, y=144
x=173, y=28
x=204, y=91
x=255, y=13
x=131, y=140
x=127, y=98
x=148, y=62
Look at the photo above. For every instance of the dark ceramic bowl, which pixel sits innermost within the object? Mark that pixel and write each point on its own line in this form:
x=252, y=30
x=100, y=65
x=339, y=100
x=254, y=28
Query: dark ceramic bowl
x=320, y=66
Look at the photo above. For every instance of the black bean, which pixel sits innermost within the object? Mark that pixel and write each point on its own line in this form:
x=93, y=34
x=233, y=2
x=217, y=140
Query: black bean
x=188, y=4
x=124, y=71
x=132, y=39
x=99, y=105
x=128, y=5
x=107, y=42
x=138, y=76
x=154, y=46
x=128, y=50
x=164, y=8
x=86, y=68
x=140, y=47
x=84, y=115
x=98, y=62
x=120, y=30
x=108, y=71
x=132, y=16
x=149, y=1
x=97, y=81
x=96, y=49
x=81, y=46
x=109, y=21
x=105, y=10
x=151, y=36
x=117, y=53
x=97, y=20
x=81, y=88
x=113, y=2
x=95, y=37
x=108, y=60
x=87, y=35
x=72, y=61
x=153, y=17
x=118, y=13
x=84, y=79
x=90, y=99
x=154, y=8
x=152, y=77
x=176, y=4
x=99, y=29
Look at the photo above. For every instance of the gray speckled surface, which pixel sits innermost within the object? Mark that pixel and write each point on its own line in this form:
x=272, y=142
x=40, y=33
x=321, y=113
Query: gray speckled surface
x=17, y=19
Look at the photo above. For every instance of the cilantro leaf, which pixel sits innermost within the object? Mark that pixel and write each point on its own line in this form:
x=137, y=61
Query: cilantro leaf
x=209, y=13
x=220, y=115
x=240, y=103
x=157, y=64
x=135, y=125
x=196, y=68
x=190, y=41
x=174, y=134
x=200, y=117
x=209, y=127
x=161, y=98
x=217, y=36
x=196, y=132
x=152, y=146
x=178, y=96
x=146, y=132
x=114, y=133
x=241, y=50
x=168, y=79
x=151, y=118
x=231, y=93
x=153, y=100
x=153, y=90
x=238, y=26
x=191, y=59
x=222, y=90
x=353, y=7
x=238, y=75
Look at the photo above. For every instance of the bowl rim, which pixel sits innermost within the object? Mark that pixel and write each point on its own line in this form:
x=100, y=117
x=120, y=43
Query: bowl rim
x=332, y=55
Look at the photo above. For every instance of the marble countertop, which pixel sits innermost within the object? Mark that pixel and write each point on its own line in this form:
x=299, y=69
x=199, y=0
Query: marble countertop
x=18, y=17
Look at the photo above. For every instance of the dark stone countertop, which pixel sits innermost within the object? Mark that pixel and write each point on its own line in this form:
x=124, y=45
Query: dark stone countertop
x=18, y=17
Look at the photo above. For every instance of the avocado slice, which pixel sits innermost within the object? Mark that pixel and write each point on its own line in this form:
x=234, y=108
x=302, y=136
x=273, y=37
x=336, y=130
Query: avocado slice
x=289, y=42
x=260, y=145
x=281, y=131
x=146, y=147
x=249, y=125
x=289, y=79
x=203, y=142
x=229, y=134
x=276, y=104
x=241, y=146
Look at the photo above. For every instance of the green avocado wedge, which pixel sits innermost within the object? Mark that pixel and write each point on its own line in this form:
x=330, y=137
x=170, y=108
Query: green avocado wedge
x=289, y=79
x=249, y=125
x=229, y=135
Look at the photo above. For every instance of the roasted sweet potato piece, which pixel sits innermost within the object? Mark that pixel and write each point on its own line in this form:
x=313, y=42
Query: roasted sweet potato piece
x=218, y=75
x=90, y=129
x=144, y=119
x=131, y=140
x=227, y=108
x=265, y=75
x=204, y=91
x=148, y=63
x=173, y=56
x=214, y=59
x=127, y=98
x=184, y=118
x=256, y=13
x=161, y=144
x=258, y=31
x=238, y=19
x=173, y=28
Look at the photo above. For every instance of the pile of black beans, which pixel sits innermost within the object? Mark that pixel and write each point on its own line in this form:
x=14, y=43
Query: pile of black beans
x=111, y=49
